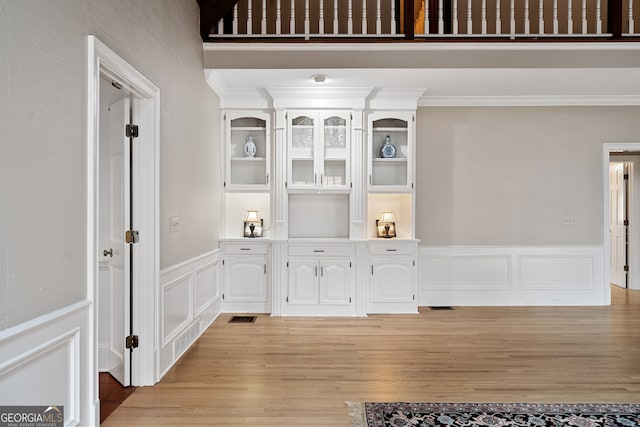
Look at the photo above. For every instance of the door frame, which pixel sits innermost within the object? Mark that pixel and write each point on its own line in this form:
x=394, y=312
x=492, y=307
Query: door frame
x=633, y=276
x=102, y=61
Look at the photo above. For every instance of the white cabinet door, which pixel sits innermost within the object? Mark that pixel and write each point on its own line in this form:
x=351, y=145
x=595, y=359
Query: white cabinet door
x=391, y=168
x=391, y=280
x=303, y=282
x=245, y=279
x=335, y=279
x=248, y=151
x=318, y=150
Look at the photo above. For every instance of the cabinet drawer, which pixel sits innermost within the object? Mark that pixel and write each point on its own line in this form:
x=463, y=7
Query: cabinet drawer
x=245, y=248
x=320, y=250
x=391, y=249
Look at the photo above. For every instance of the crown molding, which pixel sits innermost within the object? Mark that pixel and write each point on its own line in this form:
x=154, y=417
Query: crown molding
x=321, y=97
x=533, y=101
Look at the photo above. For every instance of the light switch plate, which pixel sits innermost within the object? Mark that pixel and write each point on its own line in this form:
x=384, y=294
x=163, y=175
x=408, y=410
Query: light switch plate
x=174, y=222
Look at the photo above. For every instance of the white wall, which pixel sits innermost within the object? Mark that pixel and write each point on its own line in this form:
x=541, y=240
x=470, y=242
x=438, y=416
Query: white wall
x=42, y=122
x=506, y=176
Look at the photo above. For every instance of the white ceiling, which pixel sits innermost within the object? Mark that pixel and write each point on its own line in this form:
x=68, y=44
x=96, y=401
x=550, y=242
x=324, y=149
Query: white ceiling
x=450, y=74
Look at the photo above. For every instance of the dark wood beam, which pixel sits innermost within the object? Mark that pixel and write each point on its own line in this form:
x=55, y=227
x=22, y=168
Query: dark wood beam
x=614, y=18
x=211, y=11
x=409, y=14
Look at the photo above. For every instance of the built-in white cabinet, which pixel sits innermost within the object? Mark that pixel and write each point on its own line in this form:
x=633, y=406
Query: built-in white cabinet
x=392, y=277
x=248, y=151
x=246, y=276
x=320, y=280
x=318, y=145
x=391, y=151
x=336, y=170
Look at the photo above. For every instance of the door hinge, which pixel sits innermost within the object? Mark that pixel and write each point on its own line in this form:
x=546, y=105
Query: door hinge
x=131, y=341
x=626, y=222
x=625, y=176
x=131, y=131
x=132, y=236
x=626, y=268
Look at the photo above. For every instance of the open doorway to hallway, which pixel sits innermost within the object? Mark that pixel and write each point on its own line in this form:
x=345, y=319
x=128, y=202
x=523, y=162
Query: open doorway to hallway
x=142, y=99
x=621, y=167
x=115, y=205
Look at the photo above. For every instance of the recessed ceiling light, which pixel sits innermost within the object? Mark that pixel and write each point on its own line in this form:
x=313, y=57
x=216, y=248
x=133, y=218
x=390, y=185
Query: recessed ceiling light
x=319, y=78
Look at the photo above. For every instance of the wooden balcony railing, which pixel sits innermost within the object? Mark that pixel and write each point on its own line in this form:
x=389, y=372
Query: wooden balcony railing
x=428, y=19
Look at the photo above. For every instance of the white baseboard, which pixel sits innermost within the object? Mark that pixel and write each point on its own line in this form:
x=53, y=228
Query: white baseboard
x=190, y=300
x=501, y=276
x=47, y=361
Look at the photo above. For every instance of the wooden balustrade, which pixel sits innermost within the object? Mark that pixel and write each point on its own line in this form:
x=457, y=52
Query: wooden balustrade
x=425, y=19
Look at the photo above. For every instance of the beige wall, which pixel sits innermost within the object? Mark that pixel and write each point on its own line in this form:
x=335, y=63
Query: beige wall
x=42, y=133
x=507, y=176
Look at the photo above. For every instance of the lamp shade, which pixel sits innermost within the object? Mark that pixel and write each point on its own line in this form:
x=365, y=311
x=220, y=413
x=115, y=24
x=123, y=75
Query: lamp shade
x=387, y=217
x=252, y=216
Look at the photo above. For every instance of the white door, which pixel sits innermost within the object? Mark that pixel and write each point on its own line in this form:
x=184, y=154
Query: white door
x=334, y=282
x=303, y=282
x=617, y=228
x=119, y=202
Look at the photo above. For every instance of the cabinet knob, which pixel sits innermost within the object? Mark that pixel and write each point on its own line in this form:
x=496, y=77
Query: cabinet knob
x=245, y=249
x=318, y=250
x=108, y=252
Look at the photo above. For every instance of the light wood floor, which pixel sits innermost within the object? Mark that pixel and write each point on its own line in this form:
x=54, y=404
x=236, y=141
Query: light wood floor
x=300, y=371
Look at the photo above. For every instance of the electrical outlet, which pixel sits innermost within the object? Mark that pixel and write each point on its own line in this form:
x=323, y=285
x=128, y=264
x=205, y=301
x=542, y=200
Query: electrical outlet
x=174, y=223
x=569, y=220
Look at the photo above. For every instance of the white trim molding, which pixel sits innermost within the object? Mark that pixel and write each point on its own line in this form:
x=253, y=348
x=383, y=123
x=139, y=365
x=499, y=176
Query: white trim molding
x=190, y=300
x=511, y=276
x=102, y=61
x=46, y=362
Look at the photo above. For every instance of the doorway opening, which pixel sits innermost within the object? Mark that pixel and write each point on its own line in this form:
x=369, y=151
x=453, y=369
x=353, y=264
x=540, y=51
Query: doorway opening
x=621, y=166
x=115, y=207
x=138, y=97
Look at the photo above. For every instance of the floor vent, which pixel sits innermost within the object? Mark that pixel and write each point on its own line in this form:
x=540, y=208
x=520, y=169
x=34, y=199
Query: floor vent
x=182, y=343
x=242, y=319
x=441, y=307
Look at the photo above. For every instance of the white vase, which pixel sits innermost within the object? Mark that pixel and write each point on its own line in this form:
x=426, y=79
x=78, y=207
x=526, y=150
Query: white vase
x=249, y=146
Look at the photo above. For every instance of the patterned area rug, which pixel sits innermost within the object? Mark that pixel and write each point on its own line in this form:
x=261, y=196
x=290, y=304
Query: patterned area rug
x=493, y=414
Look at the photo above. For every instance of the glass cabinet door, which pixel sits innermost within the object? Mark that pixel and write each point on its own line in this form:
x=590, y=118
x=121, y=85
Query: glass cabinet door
x=247, y=151
x=318, y=150
x=390, y=151
x=335, y=169
x=302, y=137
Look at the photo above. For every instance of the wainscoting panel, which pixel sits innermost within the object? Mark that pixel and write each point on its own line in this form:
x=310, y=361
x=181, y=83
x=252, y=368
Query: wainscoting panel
x=465, y=272
x=176, y=307
x=206, y=289
x=553, y=272
x=46, y=361
x=190, y=302
x=490, y=276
